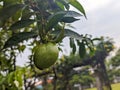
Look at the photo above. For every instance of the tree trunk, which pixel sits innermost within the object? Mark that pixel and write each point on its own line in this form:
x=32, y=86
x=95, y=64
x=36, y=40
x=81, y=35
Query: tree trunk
x=102, y=80
x=99, y=82
x=107, y=85
x=55, y=84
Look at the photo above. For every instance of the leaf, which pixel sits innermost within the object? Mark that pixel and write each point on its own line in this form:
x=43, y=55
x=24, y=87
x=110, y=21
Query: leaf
x=60, y=4
x=68, y=33
x=74, y=48
x=71, y=42
x=57, y=17
x=54, y=19
x=73, y=34
x=18, y=76
x=90, y=45
x=59, y=37
x=9, y=11
x=72, y=14
x=19, y=37
x=72, y=45
x=21, y=48
x=67, y=6
x=17, y=15
x=63, y=4
x=21, y=24
x=69, y=19
x=96, y=39
x=78, y=6
x=2, y=80
x=26, y=13
x=10, y=2
x=82, y=50
x=10, y=77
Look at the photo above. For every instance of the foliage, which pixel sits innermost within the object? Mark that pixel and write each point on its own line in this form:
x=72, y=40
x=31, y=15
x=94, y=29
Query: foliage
x=100, y=71
x=12, y=80
x=36, y=20
x=115, y=60
x=67, y=73
x=97, y=62
x=113, y=66
x=24, y=22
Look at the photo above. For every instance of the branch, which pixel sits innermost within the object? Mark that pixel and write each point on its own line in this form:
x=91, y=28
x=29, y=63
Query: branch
x=97, y=58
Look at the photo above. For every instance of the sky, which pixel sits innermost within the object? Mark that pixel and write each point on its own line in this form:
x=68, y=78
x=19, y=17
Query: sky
x=103, y=19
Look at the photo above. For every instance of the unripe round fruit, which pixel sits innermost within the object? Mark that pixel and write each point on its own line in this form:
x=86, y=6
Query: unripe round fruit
x=45, y=55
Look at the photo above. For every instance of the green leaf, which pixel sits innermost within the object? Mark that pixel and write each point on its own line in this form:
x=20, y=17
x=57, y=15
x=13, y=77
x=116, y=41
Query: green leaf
x=26, y=13
x=18, y=76
x=69, y=19
x=10, y=2
x=19, y=37
x=96, y=39
x=59, y=37
x=72, y=45
x=60, y=4
x=2, y=80
x=82, y=49
x=17, y=16
x=57, y=17
x=69, y=16
x=68, y=33
x=74, y=48
x=71, y=42
x=54, y=19
x=72, y=14
x=63, y=3
x=21, y=48
x=90, y=45
x=78, y=6
x=9, y=11
x=21, y=24
x=10, y=77
x=73, y=34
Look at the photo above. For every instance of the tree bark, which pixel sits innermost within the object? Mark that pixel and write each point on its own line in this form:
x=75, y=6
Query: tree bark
x=107, y=85
x=99, y=83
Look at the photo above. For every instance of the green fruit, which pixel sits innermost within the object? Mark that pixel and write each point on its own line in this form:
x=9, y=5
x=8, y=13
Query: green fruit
x=45, y=55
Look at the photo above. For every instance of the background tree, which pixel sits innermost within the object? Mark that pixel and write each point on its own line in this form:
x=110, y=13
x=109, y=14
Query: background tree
x=113, y=66
x=66, y=72
x=104, y=48
x=97, y=61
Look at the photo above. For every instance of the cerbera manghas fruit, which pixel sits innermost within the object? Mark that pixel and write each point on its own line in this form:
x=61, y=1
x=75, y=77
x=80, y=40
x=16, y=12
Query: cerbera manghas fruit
x=45, y=55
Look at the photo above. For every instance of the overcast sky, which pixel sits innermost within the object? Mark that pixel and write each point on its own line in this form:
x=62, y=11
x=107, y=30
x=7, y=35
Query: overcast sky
x=103, y=20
